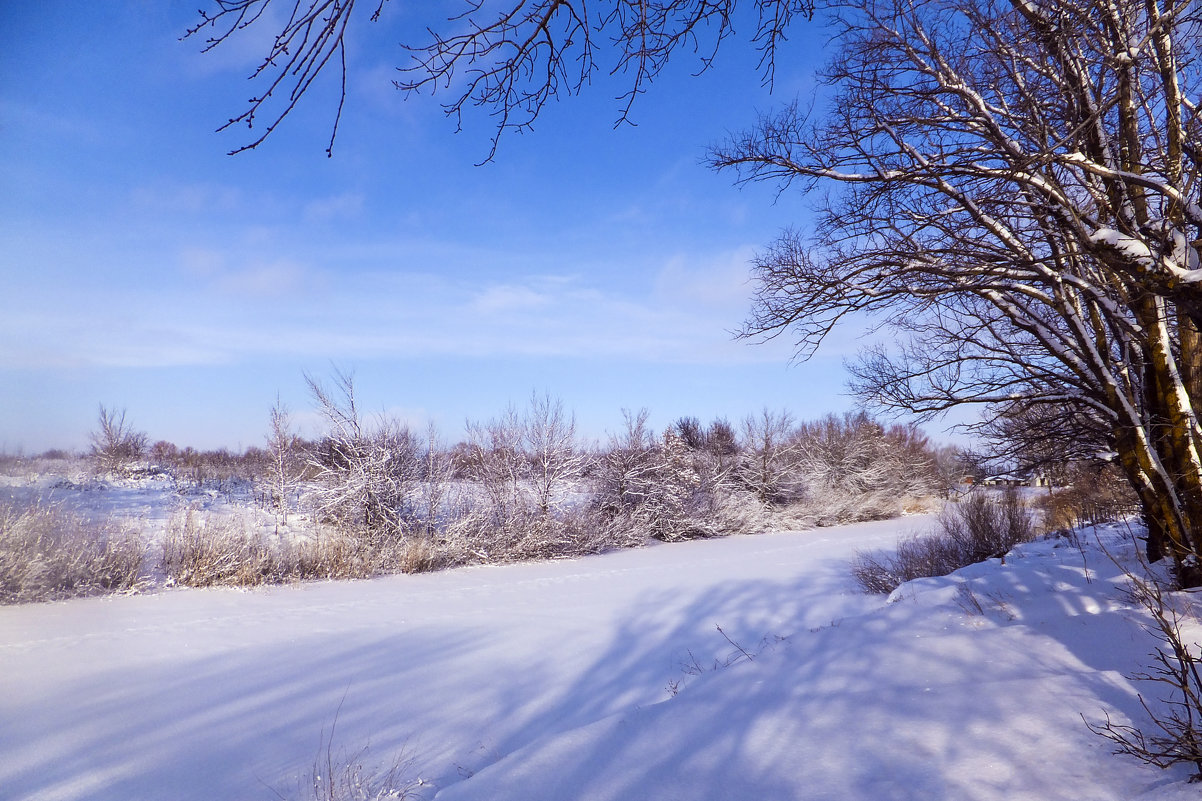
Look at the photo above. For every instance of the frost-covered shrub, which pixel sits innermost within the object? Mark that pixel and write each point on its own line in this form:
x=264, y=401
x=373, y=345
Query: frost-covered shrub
x=834, y=470
x=471, y=538
x=680, y=486
x=649, y=488
x=496, y=463
x=829, y=506
x=730, y=510
x=366, y=475
x=283, y=464
x=979, y=527
x=418, y=555
x=46, y=554
x=669, y=510
x=855, y=469
x=526, y=468
x=625, y=473
x=769, y=464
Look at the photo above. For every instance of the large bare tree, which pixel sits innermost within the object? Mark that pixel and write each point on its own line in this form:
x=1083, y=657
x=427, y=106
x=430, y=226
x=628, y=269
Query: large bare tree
x=1013, y=185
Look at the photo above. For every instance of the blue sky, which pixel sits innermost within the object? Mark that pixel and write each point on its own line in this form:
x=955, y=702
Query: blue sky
x=141, y=267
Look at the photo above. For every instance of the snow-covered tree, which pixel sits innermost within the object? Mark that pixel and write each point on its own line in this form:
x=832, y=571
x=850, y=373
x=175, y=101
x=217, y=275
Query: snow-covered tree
x=1013, y=187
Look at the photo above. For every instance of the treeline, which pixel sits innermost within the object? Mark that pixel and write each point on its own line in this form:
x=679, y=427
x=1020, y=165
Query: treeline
x=372, y=495
x=525, y=485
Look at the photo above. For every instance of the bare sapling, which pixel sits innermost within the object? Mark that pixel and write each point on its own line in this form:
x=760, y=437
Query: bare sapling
x=437, y=471
x=116, y=446
x=283, y=452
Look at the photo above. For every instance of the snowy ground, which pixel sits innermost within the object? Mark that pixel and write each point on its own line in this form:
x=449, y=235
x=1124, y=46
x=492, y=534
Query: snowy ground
x=555, y=680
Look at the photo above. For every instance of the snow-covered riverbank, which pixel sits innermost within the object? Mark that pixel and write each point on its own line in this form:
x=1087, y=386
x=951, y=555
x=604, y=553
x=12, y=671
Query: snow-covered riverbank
x=578, y=679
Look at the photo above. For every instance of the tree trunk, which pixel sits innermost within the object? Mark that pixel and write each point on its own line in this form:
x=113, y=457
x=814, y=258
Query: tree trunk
x=1175, y=516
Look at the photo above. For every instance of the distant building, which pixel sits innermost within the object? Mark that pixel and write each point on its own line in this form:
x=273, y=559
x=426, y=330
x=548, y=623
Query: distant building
x=1035, y=479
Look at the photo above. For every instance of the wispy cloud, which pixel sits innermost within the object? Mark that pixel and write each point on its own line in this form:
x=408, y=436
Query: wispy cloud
x=223, y=313
x=344, y=206
x=510, y=298
x=191, y=198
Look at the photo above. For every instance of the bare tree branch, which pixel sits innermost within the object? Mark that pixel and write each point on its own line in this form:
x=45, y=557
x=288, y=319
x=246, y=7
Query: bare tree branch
x=507, y=57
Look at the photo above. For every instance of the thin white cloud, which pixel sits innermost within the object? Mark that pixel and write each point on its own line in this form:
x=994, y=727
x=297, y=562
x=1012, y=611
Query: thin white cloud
x=183, y=198
x=276, y=279
x=715, y=282
x=344, y=206
x=235, y=302
x=509, y=298
x=24, y=118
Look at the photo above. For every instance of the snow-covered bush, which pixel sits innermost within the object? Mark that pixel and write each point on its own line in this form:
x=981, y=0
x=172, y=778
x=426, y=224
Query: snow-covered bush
x=852, y=468
x=366, y=475
x=669, y=506
x=643, y=487
x=682, y=485
x=496, y=462
x=769, y=466
x=625, y=473
x=977, y=528
x=46, y=554
x=556, y=459
x=527, y=468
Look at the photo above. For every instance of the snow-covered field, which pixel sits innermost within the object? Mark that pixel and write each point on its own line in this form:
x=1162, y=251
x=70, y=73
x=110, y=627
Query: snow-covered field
x=579, y=679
